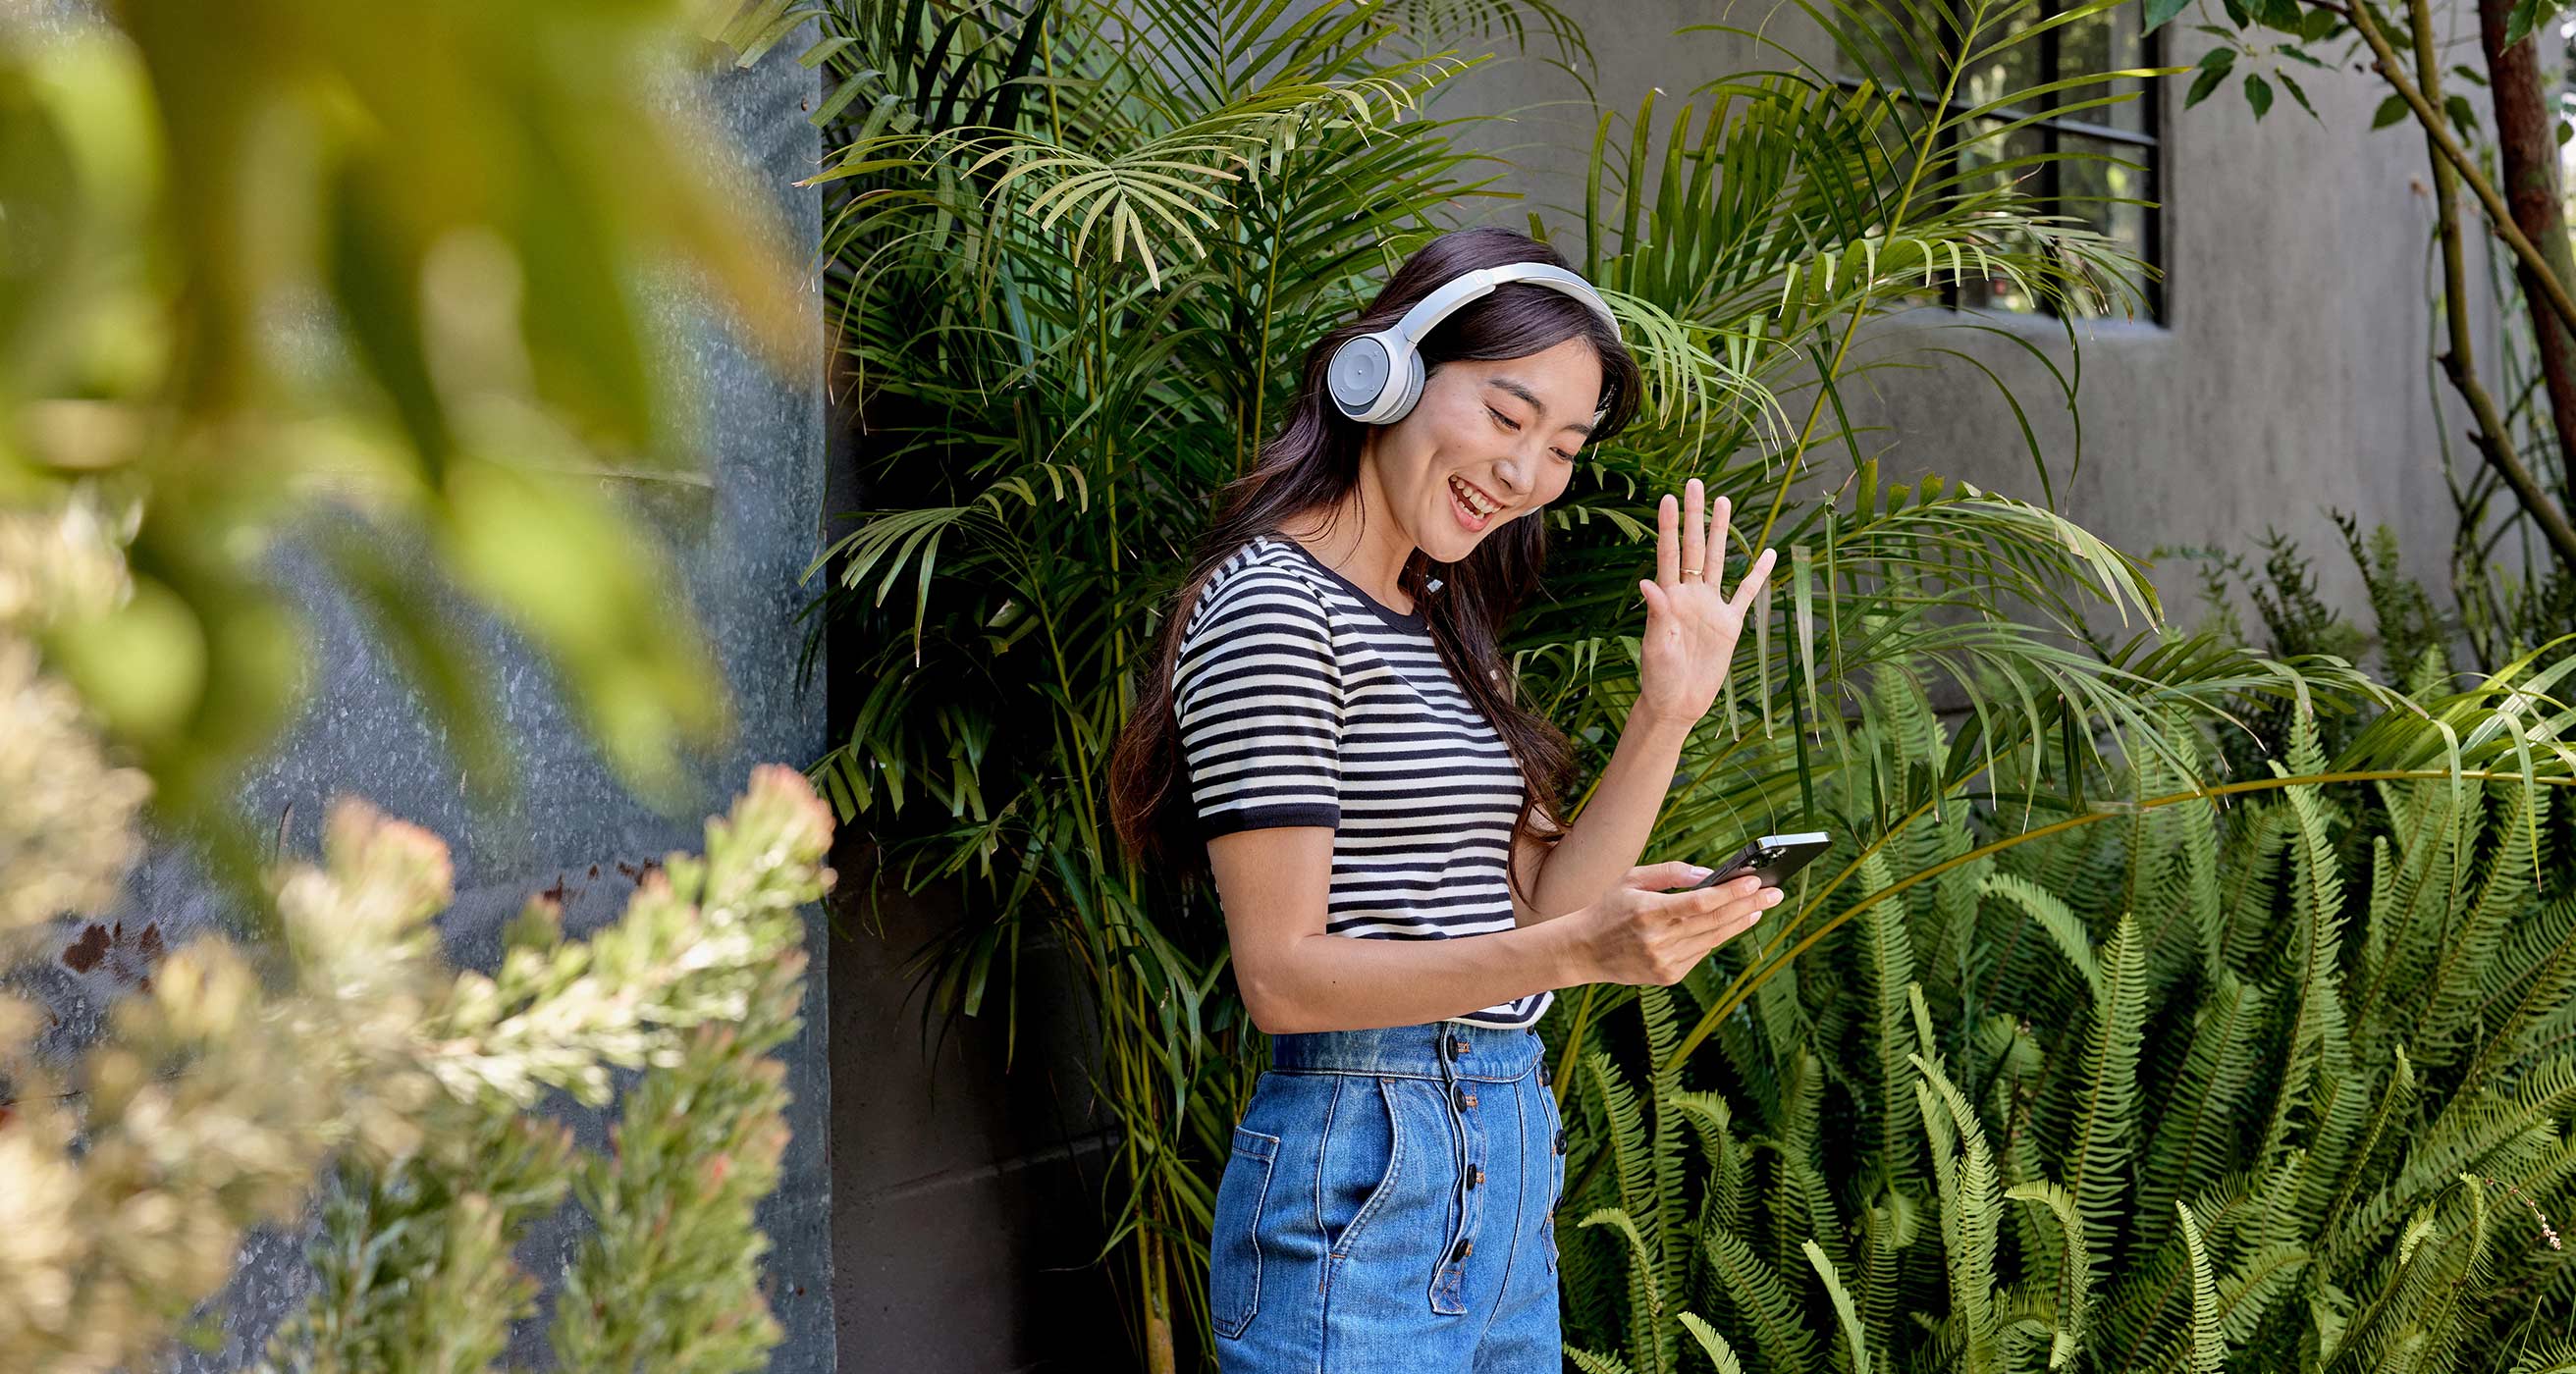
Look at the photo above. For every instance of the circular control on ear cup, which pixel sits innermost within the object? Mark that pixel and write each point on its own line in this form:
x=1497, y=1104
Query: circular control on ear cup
x=1357, y=375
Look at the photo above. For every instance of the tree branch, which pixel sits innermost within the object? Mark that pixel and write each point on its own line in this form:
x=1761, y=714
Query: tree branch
x=2461, y=363
x=2439, y=133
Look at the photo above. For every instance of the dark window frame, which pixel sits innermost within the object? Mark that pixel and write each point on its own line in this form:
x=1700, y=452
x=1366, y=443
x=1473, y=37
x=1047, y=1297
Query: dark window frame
x=2149, y=140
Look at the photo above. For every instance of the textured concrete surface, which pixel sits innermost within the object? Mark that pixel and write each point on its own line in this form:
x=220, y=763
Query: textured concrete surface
x=967, y=1199
x=740, y=543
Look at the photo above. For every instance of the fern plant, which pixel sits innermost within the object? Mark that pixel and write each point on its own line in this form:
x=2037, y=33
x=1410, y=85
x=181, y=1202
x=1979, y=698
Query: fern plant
x=2285, y=1085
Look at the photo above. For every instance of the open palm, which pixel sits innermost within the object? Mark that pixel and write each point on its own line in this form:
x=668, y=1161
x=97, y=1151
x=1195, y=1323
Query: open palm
x=1691, y=624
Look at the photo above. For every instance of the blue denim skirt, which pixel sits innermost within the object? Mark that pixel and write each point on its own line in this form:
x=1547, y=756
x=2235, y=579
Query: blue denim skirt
x=1389, y=1204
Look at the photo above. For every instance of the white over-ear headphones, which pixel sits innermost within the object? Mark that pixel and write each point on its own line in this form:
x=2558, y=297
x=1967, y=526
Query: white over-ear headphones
x=1377, y=377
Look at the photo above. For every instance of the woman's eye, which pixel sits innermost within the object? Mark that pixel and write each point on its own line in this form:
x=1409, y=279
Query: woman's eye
x=1506, y=419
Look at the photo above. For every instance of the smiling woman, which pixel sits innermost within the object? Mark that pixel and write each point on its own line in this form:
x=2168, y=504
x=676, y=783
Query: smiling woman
x=1514, y=378
x=1330, y=728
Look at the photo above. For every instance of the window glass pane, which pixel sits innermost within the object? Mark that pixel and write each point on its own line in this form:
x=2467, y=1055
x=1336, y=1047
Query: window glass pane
x=1899, y=43
x=2007, y=60
x=1994, y=288
x=2094, y=179
x=2105, y=41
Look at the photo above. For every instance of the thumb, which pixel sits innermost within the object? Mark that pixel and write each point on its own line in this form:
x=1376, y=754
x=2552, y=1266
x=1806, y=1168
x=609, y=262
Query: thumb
x=1652, y=593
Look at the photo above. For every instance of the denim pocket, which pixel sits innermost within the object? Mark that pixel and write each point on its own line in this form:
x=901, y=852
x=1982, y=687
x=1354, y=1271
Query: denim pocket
x=1234, y=1249
x=1363, y=1156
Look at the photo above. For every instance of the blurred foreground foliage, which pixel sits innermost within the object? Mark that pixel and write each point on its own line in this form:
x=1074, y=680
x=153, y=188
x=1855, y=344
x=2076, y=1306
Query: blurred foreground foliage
x=215, y=1101
x=400, y=262
x=400, y=259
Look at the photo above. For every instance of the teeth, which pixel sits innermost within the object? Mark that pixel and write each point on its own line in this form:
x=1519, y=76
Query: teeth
x=1468, y=498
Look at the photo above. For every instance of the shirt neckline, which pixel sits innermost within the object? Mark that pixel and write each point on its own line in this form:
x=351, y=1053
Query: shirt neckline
x=1402, y=621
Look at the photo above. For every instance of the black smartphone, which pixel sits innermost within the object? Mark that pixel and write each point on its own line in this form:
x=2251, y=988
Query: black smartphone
x=1772, y=858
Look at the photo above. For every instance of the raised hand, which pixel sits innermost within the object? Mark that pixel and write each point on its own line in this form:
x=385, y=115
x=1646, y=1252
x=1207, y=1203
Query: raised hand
x=1691, y=624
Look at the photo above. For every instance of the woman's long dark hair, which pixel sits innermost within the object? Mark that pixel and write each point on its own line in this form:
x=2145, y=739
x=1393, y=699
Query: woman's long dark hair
x=1315, y=462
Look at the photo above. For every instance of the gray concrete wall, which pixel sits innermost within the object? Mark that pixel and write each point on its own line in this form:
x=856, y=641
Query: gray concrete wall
x=740, y=545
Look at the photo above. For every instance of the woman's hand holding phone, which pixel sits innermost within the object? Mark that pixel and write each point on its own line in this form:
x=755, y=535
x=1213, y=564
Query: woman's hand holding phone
x=1642, y=932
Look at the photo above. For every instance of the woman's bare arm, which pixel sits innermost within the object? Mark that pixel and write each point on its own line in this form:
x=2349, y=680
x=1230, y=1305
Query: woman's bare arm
x=1273, y=884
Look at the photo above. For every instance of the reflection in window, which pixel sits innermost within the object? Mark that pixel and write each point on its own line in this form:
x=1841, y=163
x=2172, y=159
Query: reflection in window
x=2095, y=164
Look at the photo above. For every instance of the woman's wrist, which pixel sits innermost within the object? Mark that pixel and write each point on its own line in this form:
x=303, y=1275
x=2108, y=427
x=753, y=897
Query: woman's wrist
x=1564, y=945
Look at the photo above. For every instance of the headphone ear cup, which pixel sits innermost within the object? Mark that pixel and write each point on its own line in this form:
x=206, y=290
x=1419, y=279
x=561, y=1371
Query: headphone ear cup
x=1358, y=375
x=1411, y=378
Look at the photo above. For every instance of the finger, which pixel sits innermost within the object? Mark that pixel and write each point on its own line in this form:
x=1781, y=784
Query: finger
x=1668, y=549
x=1719, y=522
x=1694, y=526
x=1665, y=876
x=1737, y=916
x=1755, y=578
x=1708, y=901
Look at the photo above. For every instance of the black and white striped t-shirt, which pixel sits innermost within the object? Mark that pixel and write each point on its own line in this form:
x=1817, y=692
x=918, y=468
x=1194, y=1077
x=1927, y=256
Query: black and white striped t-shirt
x=1305, y=701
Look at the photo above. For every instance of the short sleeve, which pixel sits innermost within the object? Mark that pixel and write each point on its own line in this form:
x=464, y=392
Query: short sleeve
x=1259, y=695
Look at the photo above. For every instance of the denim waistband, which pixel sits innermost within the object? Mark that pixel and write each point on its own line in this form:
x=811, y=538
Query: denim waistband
x=1485, y=1053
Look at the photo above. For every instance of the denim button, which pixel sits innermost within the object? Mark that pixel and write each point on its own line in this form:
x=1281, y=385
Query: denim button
x=1560, y=1140
x=1543, y=1079
x=1460, y=1045
x=1475, y=1178
x=1465, y=1248
x=1462, y=1097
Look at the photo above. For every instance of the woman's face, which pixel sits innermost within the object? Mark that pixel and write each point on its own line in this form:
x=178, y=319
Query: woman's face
x=1489, y=441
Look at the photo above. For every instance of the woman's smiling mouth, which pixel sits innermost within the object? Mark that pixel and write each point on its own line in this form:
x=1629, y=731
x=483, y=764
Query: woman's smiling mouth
x=1474, y=507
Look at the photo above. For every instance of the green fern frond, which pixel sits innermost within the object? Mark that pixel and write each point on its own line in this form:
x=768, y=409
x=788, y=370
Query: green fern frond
x=2462, y=976
x=2248, y=1292
x=2460, y=1139
x=1970, y=1211
x=2557, y=1357
x=2104, y=1137
x=1720, y=1354
x=1641, y=1256
x=2208, y=1344
x=1764, y=1302
x=2395, y=1094
x=2194, y=1137
x=2064, y=929
x=2071, y=1307
x=2540, y=987
x=1632, y=1167
x=1855, y=1343
x=1888, y=952
x=1667, y=1228
x=1592, y=1363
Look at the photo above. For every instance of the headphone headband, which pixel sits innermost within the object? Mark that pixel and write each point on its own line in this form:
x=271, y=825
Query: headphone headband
x=1376, y=377
x=1479, y=282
